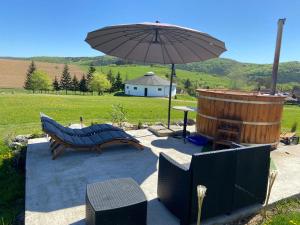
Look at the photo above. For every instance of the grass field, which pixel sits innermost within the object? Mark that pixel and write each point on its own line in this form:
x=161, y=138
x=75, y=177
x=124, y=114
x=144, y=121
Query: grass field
x=20, y=112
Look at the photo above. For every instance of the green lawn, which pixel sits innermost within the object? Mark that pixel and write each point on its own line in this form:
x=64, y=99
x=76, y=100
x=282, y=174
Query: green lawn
x=284, y=212
x=20, y=112
x=291, y=115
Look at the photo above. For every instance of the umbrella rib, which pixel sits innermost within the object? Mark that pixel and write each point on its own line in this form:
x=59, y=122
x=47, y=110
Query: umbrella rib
x=121, y=31
x=190, y=49
x=201, y=46
x=137, y=44
x=195, y=32
x=120, y=45
x=113, y=39
x=211, y=52
x=202, y=40
x=175, y=49
x=161, y=46
x=147, y=52
x=167, y=52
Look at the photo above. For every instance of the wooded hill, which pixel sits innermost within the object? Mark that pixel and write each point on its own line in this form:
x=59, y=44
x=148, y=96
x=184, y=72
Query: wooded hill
x=288, y=71
x=230, y=72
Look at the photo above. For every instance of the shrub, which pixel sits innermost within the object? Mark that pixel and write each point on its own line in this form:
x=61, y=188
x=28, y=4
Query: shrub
x=140, y=125
x=294, y=127
x=118, y=114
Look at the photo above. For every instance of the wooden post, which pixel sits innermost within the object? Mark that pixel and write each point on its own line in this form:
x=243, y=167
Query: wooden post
x=81, y=121
x=277, y=55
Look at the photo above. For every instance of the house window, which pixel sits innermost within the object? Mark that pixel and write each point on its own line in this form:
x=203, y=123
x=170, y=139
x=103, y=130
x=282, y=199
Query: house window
x=135, y=88
x=159, y=89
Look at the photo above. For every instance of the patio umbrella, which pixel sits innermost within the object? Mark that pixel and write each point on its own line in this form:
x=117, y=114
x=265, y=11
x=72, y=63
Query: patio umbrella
x=156, y=43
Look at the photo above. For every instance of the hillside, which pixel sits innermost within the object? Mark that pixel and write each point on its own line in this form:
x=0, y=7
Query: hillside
x=218, y=72
x=129, y=72
x=288, y=71
x=13, y=72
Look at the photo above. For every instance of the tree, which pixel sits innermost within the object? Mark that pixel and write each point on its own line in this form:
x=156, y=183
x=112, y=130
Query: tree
x=187, y=84
x=40, y=81
x=30, y=71
x=83, y=84
x=75, y=84
x=118, y=84
x=55, y=84
x=90, y=74
x=110, y=77
x=66, y=80
x=100, y=84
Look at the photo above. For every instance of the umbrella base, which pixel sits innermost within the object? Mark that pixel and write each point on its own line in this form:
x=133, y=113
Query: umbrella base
x=162, y=131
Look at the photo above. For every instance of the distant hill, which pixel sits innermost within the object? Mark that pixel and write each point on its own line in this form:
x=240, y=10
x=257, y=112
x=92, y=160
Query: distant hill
x=248, y=73
x=219, y=66
x=288, y=71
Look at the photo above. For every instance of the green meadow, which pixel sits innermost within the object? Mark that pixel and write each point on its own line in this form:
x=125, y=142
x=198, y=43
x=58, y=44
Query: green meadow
x=20, y=111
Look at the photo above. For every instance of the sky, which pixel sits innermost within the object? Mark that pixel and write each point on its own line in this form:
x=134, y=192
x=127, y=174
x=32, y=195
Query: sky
x=59, y=27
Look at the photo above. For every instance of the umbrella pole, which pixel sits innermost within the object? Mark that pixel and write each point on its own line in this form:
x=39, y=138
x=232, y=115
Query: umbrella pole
x=170, y=94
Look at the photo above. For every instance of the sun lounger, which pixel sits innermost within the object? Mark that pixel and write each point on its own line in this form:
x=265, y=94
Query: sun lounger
x=85, y=131
x=92, y=138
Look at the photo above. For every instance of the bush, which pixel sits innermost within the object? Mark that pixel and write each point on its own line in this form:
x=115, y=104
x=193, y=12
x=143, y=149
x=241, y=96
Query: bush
x=140, y=125
x=120, y=93
x=294, y=127
x=118, y=114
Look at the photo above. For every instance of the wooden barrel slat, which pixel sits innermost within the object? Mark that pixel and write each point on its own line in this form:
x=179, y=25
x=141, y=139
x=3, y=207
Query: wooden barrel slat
x=260, y=114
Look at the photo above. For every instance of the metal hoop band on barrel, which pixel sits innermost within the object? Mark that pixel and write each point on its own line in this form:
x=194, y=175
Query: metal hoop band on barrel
x=239, y=101
x=242, y=122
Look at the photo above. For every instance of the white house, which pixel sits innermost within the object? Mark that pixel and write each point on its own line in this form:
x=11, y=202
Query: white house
x=149, y=85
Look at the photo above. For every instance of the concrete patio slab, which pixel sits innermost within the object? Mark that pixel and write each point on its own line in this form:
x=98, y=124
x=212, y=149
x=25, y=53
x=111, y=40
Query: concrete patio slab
x=55, y=190
x=287, y=161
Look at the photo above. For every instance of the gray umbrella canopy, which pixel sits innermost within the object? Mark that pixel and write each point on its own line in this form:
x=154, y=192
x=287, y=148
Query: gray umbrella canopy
x=155, y=43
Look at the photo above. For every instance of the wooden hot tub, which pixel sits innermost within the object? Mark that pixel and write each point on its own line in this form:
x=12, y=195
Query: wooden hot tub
x=260, y=115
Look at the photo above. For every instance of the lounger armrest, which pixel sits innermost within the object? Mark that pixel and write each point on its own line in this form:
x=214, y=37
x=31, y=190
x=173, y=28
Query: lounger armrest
x=174, y=187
